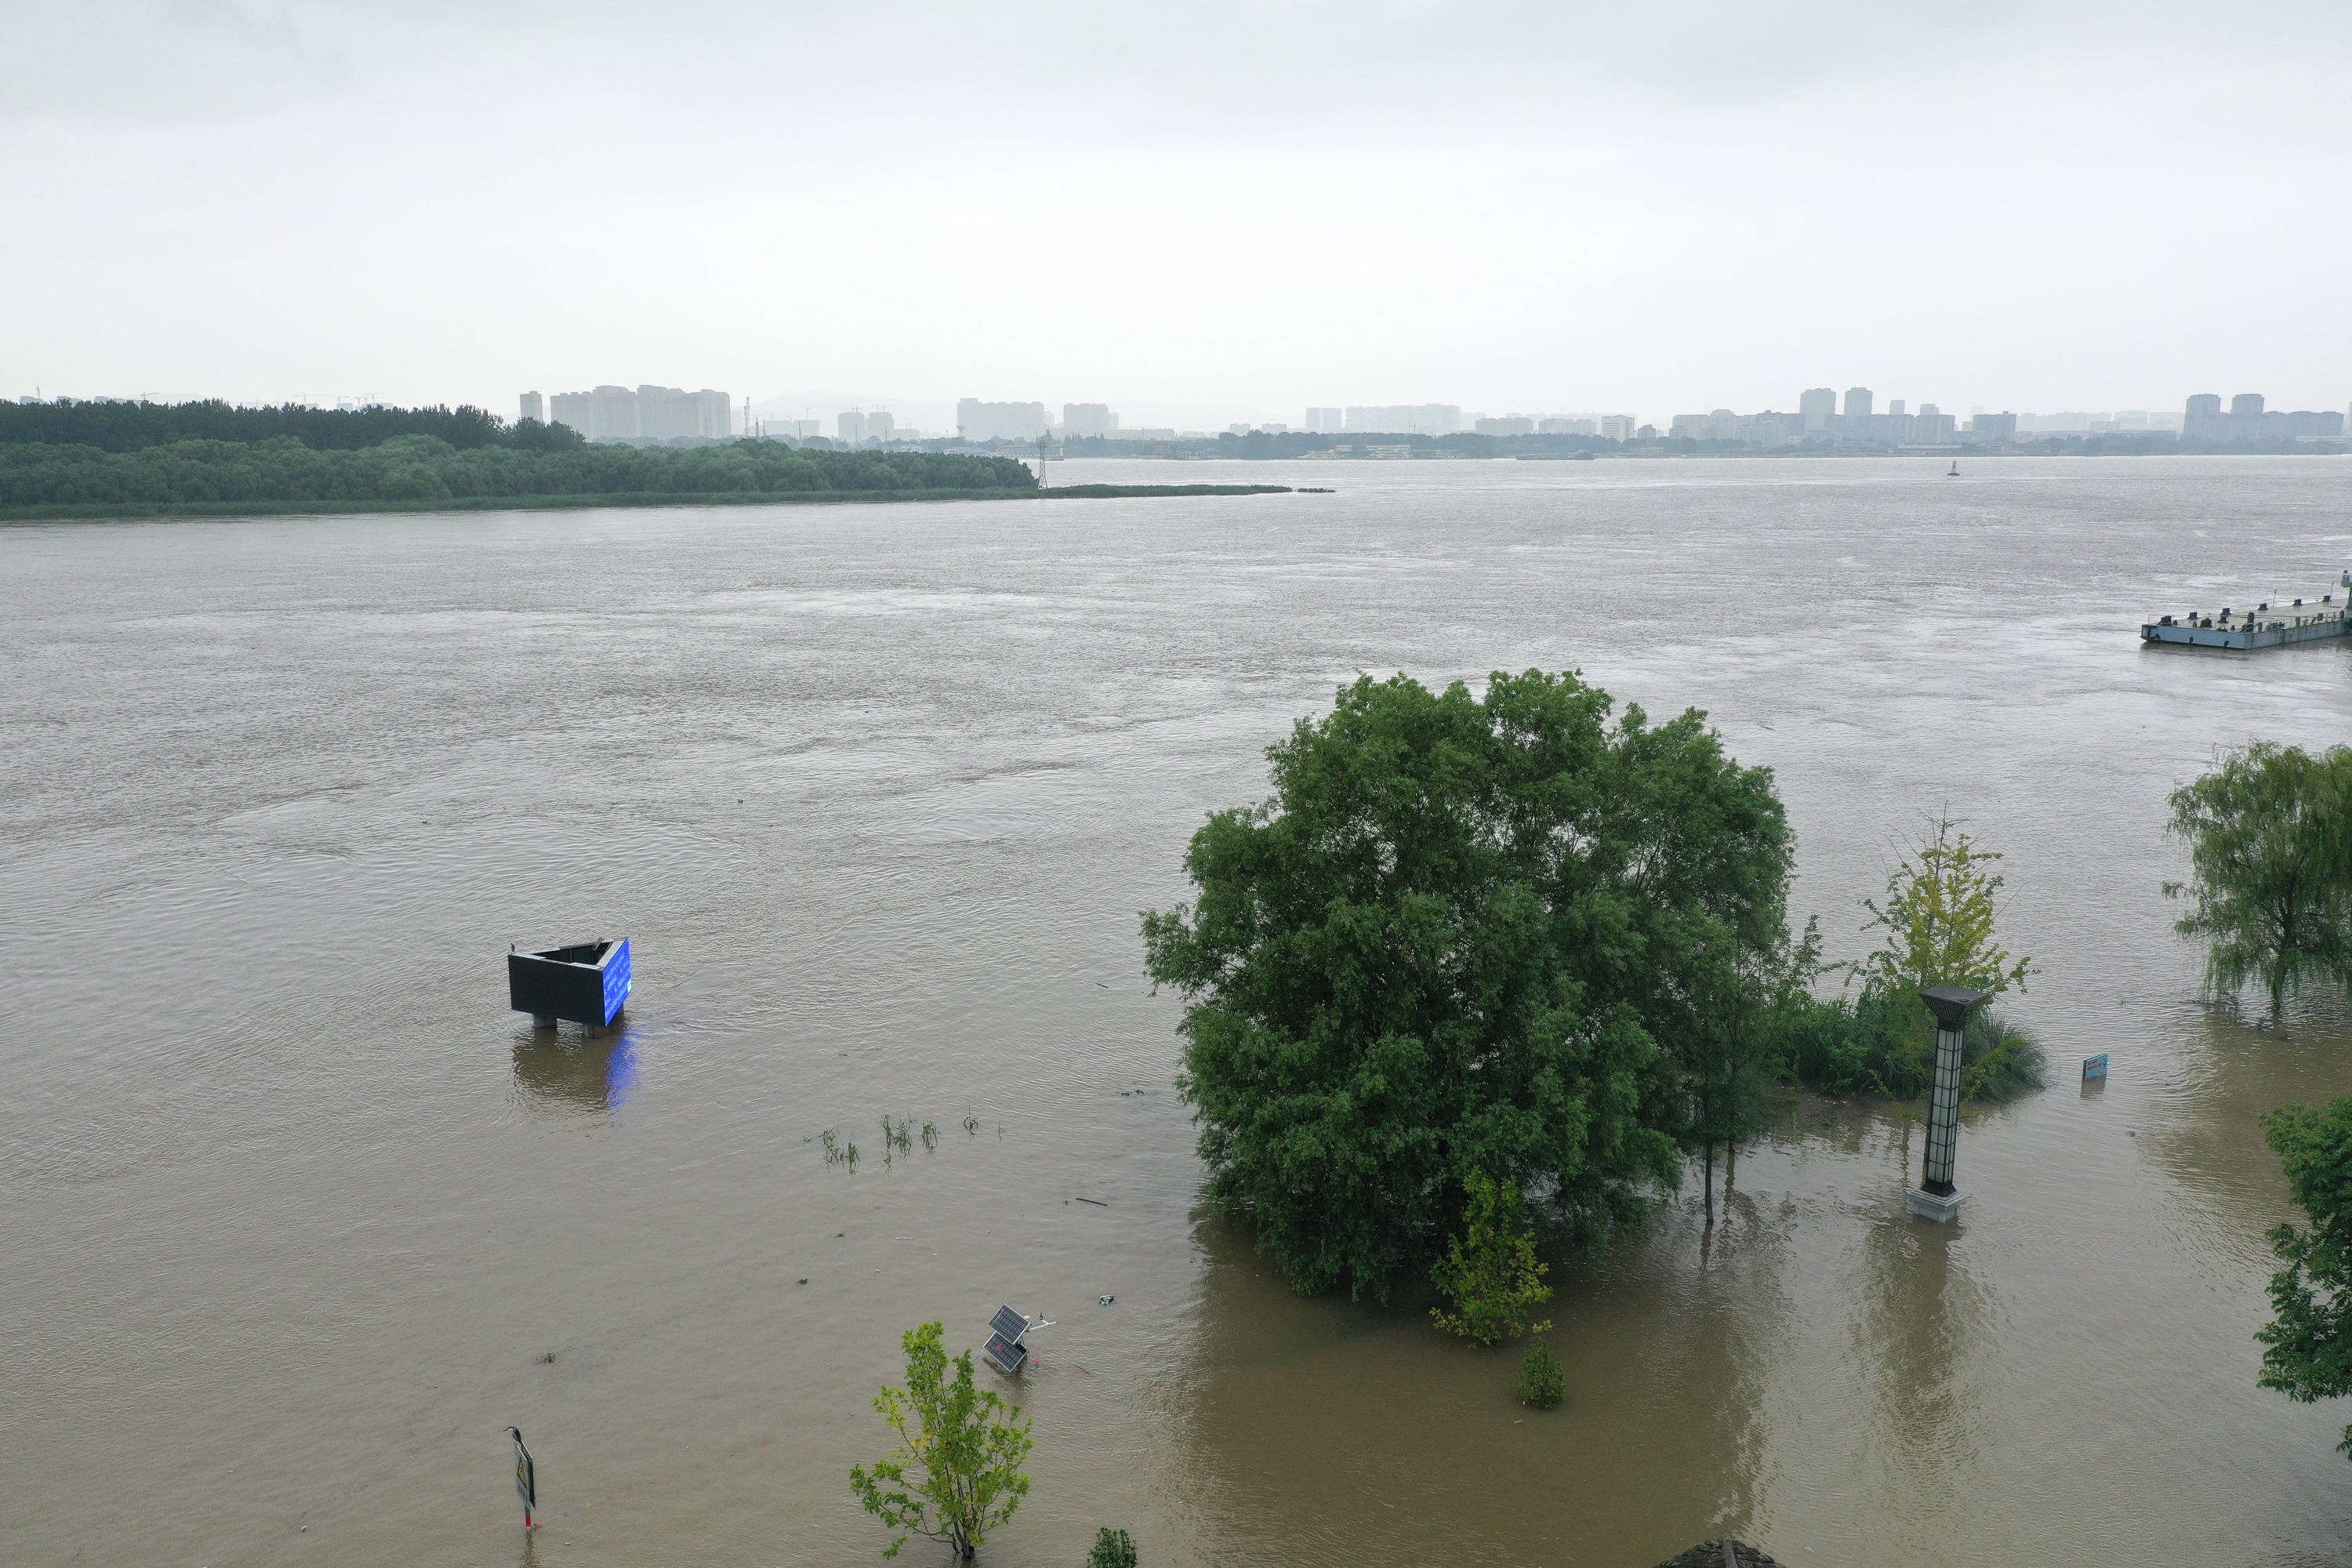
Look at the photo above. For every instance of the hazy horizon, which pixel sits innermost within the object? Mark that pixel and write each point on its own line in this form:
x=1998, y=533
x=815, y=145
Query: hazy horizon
x=1247, y=209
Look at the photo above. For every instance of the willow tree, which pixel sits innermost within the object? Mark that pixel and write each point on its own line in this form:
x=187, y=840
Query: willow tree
x=1453, y=941
x=2270, y=847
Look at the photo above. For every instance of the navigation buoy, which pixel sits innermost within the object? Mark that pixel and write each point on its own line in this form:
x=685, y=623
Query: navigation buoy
x=526, y=1479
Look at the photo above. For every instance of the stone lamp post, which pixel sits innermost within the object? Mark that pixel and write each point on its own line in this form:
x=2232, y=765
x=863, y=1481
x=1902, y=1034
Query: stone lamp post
x=1936, y=1198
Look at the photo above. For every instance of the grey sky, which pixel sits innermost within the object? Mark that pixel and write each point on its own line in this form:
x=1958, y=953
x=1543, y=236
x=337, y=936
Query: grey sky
x=1658, y=209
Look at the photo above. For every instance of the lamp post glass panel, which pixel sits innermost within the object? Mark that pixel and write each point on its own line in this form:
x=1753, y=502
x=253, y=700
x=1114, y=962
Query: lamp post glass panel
x=1936, y=1198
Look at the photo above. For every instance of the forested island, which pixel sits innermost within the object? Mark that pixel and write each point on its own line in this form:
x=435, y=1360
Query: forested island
x=131, y=460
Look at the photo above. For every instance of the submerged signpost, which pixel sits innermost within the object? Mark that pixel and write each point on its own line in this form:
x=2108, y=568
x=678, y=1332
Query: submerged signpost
x=1936, y=1197
x=586, y=983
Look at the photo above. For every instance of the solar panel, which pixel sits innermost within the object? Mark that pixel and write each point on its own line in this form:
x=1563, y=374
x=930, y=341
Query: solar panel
x=1008, y=1325
x=1008, y=1356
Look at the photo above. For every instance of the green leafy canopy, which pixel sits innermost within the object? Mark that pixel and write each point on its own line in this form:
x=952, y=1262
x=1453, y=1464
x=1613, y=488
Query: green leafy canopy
x=956, y=1473
x=2310, y=1341
x=1453, y=941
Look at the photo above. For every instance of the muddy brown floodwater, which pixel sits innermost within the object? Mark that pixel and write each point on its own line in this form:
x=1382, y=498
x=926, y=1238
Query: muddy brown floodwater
x=296, y=1212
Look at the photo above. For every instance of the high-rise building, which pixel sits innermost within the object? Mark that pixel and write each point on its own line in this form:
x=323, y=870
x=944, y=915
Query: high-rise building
x=979, y=421
x=576, y=409
x=1566, y=427
x=849, y=427
x=1818, y=405
x=715, y=414
x=1509, y=425
x=1326, y=421
x=881, y=425
x=614, y=413
x=1858, y=402
x=1895, y=407
x=1993, y=426
x=533, y=408
x=1617, y=427
x=1080, y=420
x=1408, y=419
x=2244, y=404
x=666, y=413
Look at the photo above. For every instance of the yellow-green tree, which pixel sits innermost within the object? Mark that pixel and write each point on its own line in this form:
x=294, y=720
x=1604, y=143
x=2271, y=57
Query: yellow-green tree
x=1937, y=928
x=956, y=1473
x=1490, y=1269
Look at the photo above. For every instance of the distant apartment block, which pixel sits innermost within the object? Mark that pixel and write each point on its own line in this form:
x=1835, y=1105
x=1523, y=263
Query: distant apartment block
x=1080, y=420
x=660, y=413
x=1326, y=421
x=533, y=408
x=1509, y=425
x=2248, y=420
x=1568, y=427
x=1619, y=426
x=1405, y=419
x=1818, y=407
x=979, y=421
x=849, y=427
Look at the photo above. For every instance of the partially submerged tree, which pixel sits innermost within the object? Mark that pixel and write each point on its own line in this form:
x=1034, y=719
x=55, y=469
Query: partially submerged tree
x=1112, y=1549
x=2270, y=847
x=2310, y=1341
x=1451, y=942
x=956, y=1473
x=1937, y=930
x=1490, y=1271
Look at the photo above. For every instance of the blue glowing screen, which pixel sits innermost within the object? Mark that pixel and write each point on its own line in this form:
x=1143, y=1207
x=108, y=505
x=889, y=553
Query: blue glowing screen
x=616, y=980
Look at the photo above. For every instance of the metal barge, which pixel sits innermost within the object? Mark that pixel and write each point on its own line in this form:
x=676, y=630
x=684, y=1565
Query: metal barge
x=2270, y=624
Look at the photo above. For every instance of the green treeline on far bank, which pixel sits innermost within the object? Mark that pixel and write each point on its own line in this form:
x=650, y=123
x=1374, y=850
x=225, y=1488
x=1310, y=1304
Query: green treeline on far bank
x=124, y=458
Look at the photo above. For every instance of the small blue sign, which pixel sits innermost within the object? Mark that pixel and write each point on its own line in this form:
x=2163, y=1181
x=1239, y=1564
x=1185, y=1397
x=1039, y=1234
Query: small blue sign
x=2094, y=1066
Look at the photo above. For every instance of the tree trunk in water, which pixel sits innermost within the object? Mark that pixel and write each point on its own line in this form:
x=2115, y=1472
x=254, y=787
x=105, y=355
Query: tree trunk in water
x=1710, y=1181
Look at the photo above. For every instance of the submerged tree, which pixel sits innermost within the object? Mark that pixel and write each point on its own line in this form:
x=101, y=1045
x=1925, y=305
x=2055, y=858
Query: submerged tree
x=1112, y=1549
x=1451, y=942
x=1938, y=925
x=1490, y=1269
x=956, y=1473
x=1729, y=1037
x=2310, y=1341
x=2270, y=847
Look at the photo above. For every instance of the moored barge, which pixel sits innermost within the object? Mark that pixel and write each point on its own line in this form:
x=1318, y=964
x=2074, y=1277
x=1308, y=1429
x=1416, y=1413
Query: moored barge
x=2270, y=624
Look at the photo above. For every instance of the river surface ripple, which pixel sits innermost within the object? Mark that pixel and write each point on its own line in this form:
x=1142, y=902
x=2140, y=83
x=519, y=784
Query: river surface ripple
x=295, y=1211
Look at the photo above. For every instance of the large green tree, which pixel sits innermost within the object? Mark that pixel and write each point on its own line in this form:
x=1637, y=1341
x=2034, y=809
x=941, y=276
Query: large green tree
x=2270, y=847
x=2310, y=1341
x=1450, y=942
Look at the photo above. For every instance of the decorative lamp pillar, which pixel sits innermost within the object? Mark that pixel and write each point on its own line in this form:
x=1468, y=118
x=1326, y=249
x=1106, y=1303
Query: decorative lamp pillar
x=1936, y=1198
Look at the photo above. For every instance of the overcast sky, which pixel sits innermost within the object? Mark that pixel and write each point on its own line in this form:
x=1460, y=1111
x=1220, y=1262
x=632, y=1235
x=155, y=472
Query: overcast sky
x=1657, y=209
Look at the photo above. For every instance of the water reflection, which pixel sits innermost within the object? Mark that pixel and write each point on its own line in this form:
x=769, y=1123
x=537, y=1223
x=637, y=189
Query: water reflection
x=1331, y=1432
x=1924, y=1322
x=560, y=1070
x=2204, y=1130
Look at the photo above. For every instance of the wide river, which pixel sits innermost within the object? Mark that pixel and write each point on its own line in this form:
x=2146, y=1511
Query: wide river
x=297, y=1213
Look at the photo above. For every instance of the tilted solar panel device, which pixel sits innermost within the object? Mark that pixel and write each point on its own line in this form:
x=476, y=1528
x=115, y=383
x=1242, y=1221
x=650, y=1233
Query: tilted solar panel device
x=586, y=983
x=1004, y=1348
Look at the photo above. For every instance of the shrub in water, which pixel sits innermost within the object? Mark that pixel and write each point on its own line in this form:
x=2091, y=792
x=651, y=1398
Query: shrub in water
x=1542, y=1382
x=1112, y=1549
